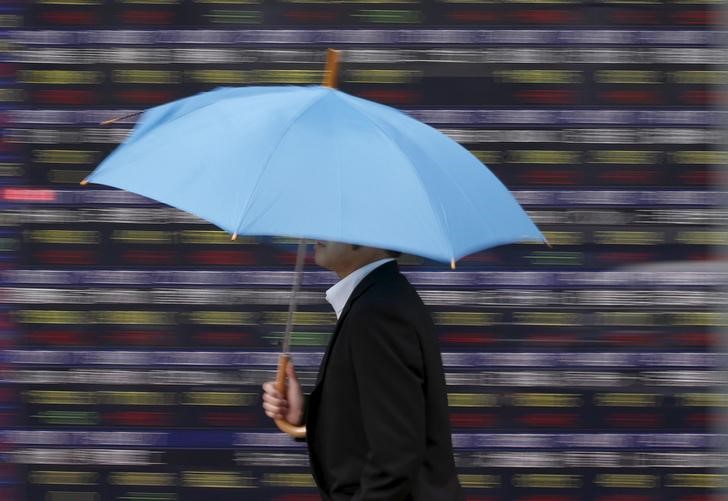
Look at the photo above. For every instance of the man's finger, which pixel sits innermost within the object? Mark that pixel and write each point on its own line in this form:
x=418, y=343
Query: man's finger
x=291, y=372
x=274, y=408
x=274, y=400
x=278, y=402
x=273, y=415
x=270, y=389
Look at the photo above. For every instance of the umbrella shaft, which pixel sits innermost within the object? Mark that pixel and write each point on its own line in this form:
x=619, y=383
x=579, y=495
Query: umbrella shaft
x=297, y=277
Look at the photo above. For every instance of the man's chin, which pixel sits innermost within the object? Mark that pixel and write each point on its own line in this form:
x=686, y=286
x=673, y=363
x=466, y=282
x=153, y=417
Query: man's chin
x=319, y=260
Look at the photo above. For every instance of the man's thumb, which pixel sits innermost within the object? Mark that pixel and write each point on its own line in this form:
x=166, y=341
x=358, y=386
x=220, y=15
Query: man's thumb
x=291, y=374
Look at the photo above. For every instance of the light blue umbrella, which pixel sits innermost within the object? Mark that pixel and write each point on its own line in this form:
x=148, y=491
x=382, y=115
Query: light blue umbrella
x=317, y=163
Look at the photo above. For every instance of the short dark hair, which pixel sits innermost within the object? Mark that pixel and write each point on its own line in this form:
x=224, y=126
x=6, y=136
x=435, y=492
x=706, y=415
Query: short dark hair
x=391, y=253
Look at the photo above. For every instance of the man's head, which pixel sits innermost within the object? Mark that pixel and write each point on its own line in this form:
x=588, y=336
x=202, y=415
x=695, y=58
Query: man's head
x=344, y=258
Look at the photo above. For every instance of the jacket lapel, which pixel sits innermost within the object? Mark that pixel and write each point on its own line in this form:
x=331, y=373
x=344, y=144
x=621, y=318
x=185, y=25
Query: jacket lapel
x=379, y=273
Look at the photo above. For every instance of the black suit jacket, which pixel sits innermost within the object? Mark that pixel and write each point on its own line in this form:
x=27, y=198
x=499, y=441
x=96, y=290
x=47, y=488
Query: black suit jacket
x=377, y=420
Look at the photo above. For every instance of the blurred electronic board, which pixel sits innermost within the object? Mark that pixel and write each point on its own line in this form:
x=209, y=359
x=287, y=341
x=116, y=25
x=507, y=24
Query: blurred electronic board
x=134, y=338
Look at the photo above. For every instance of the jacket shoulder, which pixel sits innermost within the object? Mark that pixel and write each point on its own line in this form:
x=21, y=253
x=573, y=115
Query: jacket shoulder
x=390, y=296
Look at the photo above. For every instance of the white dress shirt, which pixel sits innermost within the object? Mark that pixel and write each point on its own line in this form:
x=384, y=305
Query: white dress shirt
x=339, y=293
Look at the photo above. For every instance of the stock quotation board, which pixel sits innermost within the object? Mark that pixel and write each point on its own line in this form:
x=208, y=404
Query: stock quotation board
x=135, y=338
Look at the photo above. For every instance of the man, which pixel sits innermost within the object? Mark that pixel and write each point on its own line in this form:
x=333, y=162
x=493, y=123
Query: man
x=377, y=420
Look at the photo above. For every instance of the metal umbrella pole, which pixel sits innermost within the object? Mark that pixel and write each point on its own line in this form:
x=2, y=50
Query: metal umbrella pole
x=330, y=75
x=284, y=358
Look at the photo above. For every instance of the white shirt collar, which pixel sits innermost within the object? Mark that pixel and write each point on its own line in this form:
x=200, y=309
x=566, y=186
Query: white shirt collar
x=339, y=293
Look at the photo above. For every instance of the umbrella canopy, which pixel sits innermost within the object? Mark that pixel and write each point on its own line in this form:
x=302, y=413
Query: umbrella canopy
x=317, y=163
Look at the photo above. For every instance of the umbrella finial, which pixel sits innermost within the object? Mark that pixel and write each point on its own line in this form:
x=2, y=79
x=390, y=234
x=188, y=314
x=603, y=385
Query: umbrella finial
x=452, y=264
x=235, y=236
x=84, y=182
x=332, y=68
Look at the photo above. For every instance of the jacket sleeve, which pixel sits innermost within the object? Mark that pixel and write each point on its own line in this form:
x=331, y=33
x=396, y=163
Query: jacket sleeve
x=388, y=365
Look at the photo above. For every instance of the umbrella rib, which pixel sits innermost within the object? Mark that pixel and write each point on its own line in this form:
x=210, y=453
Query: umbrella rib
x=270, y=156
x=444, y=226
x=171, y=111
x=165, y=118
x=446, y=172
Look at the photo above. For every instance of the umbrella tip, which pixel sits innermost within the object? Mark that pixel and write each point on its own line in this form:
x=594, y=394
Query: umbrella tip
x=452, y=264
x=548, y=244
x=332, y=68
x=235, y=236
x=84, y=182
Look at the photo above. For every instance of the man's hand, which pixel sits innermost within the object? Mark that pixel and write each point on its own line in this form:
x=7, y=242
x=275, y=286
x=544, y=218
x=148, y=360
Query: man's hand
x=289, y=406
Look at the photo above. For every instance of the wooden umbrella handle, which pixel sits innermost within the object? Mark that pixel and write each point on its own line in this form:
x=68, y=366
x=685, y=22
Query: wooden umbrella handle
x=283, y=425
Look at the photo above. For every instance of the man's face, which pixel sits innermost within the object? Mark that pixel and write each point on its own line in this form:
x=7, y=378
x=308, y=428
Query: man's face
x=335, y=256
